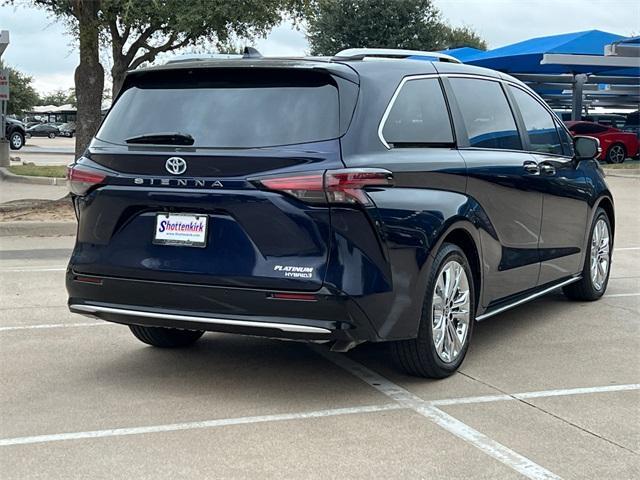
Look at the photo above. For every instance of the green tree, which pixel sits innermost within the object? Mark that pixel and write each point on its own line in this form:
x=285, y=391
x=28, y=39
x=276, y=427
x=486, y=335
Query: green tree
x=59, y=97
x=22, y=95
x=138, y=30
x=83, y=18
x=334, y=25
x=464, y=37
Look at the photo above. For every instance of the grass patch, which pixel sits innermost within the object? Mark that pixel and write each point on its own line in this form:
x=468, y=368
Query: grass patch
x=627, y=165
x=56, y=171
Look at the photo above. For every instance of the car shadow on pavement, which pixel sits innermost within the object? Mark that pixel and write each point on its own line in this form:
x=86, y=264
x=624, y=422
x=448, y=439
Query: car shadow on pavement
x=236, y=368
x=270, y=370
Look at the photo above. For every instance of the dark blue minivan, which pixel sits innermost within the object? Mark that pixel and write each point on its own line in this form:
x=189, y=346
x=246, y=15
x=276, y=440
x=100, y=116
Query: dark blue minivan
x=378, y=195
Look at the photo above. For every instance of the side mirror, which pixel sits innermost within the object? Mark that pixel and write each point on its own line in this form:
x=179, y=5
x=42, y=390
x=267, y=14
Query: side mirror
x=586, y=148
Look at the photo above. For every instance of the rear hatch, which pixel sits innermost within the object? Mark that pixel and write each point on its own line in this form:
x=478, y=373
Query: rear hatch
x=170, y=189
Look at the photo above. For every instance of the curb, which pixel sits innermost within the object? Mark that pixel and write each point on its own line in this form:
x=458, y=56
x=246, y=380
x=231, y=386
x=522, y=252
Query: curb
x=36, y=228
x=6, y=175
x=43, y=152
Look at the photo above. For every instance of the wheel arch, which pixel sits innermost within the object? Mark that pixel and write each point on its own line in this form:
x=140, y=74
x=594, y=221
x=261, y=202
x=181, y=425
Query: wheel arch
x=464, y=234
x=606, y=203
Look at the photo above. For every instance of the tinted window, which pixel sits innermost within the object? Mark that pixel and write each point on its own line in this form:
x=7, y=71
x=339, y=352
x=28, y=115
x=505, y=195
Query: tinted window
x=227, y=107
x=543, y=135
x=586, y=128
x=486, y=113
x=418, y=116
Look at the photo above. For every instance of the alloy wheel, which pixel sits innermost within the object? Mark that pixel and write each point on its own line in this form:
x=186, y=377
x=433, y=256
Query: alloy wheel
x=616, y=154
x=451, y=311
x=600, y=258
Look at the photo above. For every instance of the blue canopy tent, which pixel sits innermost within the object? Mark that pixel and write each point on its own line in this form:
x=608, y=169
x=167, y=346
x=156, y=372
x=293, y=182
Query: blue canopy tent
x=575, y=61
x=463, y=53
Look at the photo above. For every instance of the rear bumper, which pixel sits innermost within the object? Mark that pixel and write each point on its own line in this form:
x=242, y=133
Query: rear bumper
x=231, y=310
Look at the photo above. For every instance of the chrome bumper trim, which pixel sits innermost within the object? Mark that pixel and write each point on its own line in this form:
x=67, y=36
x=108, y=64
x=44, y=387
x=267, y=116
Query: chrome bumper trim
x=285, y=327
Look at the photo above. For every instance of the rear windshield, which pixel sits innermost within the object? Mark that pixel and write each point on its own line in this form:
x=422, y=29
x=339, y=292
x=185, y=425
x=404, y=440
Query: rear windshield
x=227, y=108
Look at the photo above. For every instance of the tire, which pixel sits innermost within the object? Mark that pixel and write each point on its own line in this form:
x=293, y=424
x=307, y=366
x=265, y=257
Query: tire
x=165, y=337
x=52, y=135
x=590, y=288
x=420, y=356
x=16, y=141
x=616, y=153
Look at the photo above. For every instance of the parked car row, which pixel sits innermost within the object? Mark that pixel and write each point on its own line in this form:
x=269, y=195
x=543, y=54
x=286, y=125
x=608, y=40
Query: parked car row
x=17, y=132
x=51, y=130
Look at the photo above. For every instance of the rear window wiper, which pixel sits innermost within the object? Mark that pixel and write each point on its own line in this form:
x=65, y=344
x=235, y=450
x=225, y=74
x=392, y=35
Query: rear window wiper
x=163, y=138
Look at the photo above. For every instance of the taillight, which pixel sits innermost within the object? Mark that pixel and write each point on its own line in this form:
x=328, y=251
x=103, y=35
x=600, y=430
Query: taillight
x=308, y=187
x=347, y=186
x=81, y=178
x=333, y=186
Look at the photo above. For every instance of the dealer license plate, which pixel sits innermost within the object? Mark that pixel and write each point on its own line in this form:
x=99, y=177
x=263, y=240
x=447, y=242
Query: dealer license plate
x=181, y=229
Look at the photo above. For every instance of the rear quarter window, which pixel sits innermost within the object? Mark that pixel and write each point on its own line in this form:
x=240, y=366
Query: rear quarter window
x=418, y=116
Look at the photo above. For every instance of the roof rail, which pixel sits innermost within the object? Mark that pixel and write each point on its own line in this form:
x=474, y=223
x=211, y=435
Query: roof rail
x=202, y=57
x=361, y=53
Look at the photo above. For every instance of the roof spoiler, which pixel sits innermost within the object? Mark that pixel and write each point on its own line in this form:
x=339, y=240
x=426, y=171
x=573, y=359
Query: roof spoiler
x=391, y=53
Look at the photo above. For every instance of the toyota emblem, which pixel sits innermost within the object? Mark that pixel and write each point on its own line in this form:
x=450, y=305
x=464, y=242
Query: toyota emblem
x=176, y=165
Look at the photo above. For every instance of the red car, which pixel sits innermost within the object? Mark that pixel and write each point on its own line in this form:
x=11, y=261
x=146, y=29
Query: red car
x=616, y=144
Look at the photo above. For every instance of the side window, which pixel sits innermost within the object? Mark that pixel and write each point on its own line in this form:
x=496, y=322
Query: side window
x=419, y=116
x=543, y=135
x=486, y=114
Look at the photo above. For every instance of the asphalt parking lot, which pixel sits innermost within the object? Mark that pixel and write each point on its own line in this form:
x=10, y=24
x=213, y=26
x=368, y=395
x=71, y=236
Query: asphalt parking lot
x=548, y=390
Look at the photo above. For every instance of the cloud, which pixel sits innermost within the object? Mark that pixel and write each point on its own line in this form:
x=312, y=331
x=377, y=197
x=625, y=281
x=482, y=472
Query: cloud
x=502, y=22
x=39, y=46
x=284, y=40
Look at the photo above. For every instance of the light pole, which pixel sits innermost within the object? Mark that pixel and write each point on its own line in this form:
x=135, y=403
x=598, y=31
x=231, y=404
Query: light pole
x=4, y=100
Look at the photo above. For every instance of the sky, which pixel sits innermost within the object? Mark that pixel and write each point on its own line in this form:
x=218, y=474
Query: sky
x=41, y=47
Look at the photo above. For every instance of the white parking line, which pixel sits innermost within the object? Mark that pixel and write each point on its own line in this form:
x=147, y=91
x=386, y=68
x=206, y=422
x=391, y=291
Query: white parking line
x=55, y=325
x=404, y=399
x=625, y=248
x=118, y=432
x=510, y=458
x=622, y=295
x=53, y=268
x=538, y=394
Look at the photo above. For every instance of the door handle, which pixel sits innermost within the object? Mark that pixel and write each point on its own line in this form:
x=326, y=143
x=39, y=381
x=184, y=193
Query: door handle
x=531, y=167
x=547, y=169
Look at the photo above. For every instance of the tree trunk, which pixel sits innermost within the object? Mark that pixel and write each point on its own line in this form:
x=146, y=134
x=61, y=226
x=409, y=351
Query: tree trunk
x=118, y=72
x=89, y=75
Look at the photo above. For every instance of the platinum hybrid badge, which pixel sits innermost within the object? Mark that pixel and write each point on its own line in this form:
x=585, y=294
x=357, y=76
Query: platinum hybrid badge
x=176, y=165
x=294, y=271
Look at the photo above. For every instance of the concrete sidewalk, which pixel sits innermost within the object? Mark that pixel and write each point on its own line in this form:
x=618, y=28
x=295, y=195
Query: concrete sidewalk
x=11, y=191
